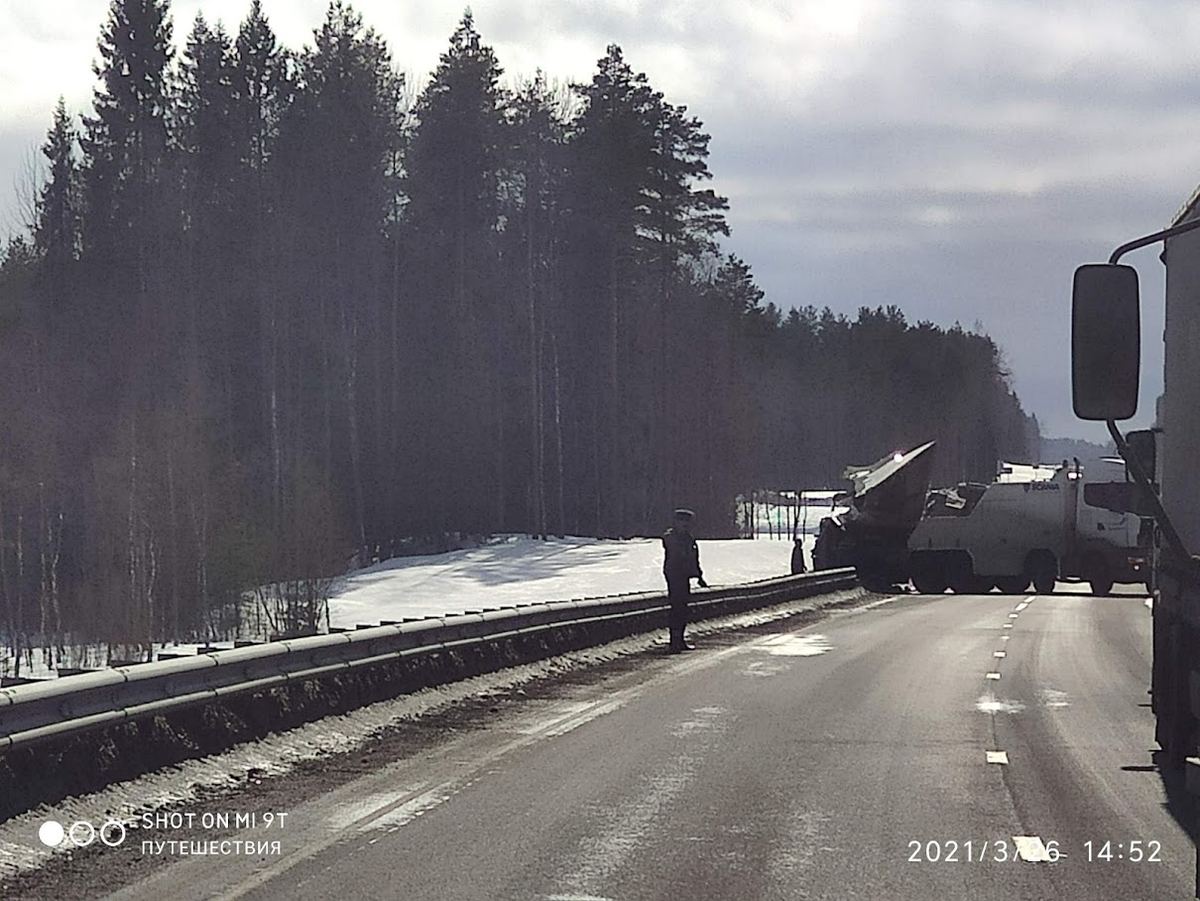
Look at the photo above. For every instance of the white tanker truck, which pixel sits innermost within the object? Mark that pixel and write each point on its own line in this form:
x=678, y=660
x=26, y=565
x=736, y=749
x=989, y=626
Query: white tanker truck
x=1077, y=525
x=1032, y=526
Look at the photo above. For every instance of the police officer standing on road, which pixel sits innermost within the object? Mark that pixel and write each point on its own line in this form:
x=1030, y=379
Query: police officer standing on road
x=681, y=563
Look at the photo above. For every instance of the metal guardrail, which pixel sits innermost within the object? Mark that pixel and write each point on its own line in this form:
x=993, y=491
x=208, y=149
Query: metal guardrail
x=76, y=704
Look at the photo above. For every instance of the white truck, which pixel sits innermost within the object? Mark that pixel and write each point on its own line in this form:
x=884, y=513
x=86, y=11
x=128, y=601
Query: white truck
x=1033, y=525
x=1073, y=525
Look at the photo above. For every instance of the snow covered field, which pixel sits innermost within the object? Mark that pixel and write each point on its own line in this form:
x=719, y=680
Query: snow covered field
x=506, y=570
x=514, y=570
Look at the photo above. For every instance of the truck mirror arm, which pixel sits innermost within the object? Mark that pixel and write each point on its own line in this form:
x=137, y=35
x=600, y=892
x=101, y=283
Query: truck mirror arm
x=1131, y=461
x=1147, y=240
x=1143, y=482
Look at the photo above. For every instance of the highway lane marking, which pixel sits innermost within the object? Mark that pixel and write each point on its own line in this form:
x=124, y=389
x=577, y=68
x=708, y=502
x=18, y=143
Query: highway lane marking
x=1030, y=848
x=1000, y=757
x=998, y=654
x=1052, y=697
x=1012, y=616
x=401, y=810
x=585, y=716
x=1005, y=637
x=394, y=809
x=1021, y=606
x=1007, y=626
x=872, y=605
x=989, y=703
x=993, y=675
x=622, y=830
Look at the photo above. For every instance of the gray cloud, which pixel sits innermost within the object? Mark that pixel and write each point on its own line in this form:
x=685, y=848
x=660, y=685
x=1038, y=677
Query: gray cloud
x=955, y=157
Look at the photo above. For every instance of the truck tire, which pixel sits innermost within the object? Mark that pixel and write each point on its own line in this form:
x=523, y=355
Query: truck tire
x=960, y=573
x=1042, y=569
x=927, y=576
x=1012, y=584
x=1099, y=576
x=929, y=583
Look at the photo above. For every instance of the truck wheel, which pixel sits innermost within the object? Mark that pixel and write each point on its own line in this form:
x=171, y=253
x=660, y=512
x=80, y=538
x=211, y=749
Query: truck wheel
x=1043, y=570
x=960, y=573
x=1012, y=584
x=1099, y=576
x=929, y=584
x=929, y=580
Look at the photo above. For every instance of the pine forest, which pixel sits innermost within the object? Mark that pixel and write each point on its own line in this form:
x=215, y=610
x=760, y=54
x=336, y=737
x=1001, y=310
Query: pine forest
x=279, y=310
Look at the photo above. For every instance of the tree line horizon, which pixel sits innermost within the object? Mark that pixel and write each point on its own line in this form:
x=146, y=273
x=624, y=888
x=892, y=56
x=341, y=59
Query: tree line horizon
x=277, y=309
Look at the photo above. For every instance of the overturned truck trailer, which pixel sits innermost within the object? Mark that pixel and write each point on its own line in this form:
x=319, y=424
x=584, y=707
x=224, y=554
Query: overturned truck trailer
x=884, y=507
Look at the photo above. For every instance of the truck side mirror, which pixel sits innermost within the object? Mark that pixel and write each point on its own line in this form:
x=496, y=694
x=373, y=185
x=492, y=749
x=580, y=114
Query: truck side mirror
x=1106, y=341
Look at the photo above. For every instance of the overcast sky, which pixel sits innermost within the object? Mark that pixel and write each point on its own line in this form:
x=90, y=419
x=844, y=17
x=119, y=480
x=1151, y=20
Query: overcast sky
x=957, y=158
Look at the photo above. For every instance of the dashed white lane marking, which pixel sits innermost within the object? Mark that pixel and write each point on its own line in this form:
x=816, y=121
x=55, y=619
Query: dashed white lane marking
x=993, y=675
x=1007, y=626
x=1012, y=616
x=1021, y=606
x=1030, y=848
x=997, y=757
x=998, y=654
x=1005, y=637
x=989, y=703
x=1052, y=697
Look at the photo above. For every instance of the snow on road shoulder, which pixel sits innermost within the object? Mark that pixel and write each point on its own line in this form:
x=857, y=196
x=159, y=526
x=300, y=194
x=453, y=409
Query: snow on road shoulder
x=525, y=570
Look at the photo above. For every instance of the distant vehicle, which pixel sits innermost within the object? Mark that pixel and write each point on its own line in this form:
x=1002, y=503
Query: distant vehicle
x=1036, y=524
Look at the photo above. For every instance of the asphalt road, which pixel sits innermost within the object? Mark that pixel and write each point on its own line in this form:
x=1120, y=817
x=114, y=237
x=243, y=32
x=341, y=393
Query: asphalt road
x=865, y=756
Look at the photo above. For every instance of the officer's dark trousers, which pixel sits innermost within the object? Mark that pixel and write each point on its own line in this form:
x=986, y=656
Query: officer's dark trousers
x=679, y=591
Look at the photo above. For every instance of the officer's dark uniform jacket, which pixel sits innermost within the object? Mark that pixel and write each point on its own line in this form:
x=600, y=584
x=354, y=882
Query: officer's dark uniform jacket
x=682, y=556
